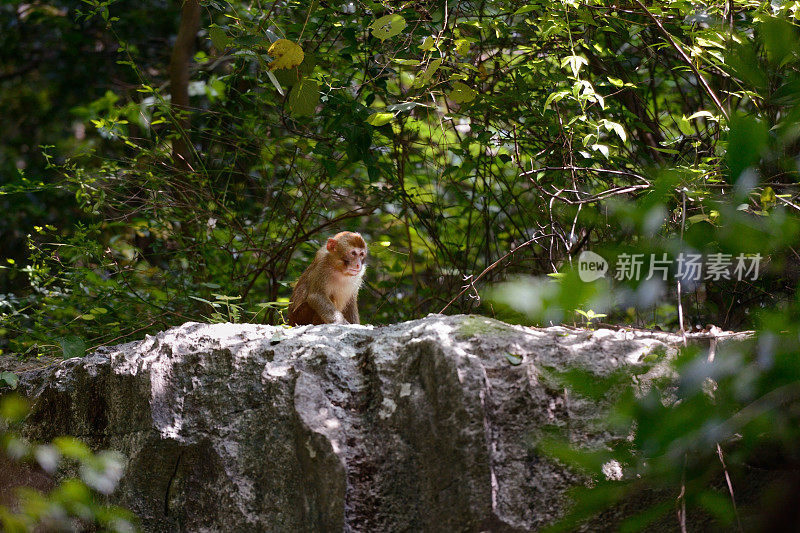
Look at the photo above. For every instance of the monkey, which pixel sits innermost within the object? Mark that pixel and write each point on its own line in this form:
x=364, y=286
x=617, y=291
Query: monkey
x=327, y=292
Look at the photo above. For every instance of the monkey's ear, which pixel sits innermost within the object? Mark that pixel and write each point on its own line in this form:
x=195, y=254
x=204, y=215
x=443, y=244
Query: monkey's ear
x=331, y=244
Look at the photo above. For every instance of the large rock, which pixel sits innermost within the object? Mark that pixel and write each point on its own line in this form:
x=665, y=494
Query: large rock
x=428, y=425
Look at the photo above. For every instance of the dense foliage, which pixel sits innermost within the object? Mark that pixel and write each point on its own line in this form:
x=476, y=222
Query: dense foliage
x=75, y=503
x=470, y=142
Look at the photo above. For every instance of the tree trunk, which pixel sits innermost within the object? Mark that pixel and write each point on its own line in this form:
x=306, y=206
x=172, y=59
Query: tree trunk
x=179, y=81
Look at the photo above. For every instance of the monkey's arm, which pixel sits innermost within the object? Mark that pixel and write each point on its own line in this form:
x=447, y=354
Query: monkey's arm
x=325, y=308
x=350, y=311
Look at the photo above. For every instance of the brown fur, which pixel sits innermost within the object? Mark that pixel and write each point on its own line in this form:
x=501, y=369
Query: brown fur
x=327, y=292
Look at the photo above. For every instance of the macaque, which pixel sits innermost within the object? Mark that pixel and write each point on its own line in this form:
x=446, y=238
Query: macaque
x=327, y=291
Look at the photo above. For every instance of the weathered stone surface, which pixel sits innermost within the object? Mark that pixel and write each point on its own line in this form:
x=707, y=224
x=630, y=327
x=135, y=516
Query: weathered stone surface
x=420, y=426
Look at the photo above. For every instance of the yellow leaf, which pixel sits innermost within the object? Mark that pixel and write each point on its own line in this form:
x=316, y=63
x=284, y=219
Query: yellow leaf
x=286, y=53
x=462, y=47
x=768, y=198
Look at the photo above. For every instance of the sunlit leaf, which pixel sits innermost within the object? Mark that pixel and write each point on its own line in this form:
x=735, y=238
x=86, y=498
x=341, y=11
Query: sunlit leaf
x=286, y=54
x=72, y=447
x=704, y=114
x=554, y=97
x=379, y=119
x=427, y=44
x=387, y=26
x=768, y=198
x=406, y=62
x=575, y=62
x=525, y=9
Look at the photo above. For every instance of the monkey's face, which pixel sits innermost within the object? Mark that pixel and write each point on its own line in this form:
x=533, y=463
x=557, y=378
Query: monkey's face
x=353, y=261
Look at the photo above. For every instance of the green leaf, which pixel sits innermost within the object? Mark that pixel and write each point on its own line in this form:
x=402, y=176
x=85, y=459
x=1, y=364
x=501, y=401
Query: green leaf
x=554, y=97
x=13, y=408
x=702, y=217
x=609, y=125
x=780, y=39
x=388, y=26
x=304, y=98
x=219, y=38
x=72, y=346
x=747, y=141
x=708, y=43
x=427, y=44
x=514, y=359
x=524, y=9
x=379, y=119
x=10, y=378
x=602, y=148
x=201, y=300
x=684, y=125
x=225, y=297
x=72, y=447
x=289, y=77
x=73, y=491
x=425, y=77
x=462, y=93
x=406, y=62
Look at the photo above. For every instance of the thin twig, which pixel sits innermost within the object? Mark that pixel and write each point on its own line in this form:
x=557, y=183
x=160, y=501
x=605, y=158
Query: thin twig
x=682, y=496
x=471, y=284
x=616, y=191
x=686, y=59
x=787, y=202
x=588, y=169
x=730, y=486
x=680, y=302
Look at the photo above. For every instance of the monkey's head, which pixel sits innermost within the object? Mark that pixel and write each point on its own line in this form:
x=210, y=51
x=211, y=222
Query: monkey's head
x=348, y=250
